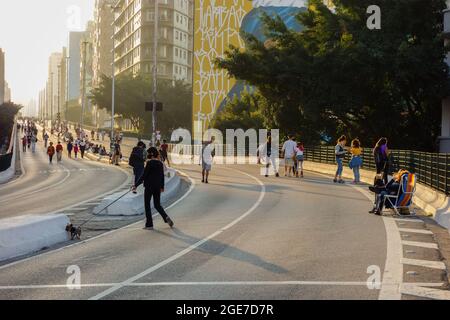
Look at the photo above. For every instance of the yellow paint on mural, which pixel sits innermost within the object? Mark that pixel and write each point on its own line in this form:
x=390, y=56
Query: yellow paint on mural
x=217, y=25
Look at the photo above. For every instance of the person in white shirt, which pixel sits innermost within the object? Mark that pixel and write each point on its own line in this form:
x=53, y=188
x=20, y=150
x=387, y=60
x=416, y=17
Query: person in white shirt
x=207, y=159
x=289, y=153
x=265, y=153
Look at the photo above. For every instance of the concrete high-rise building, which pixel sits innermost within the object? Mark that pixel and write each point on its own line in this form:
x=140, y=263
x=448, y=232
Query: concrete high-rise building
x=42, y=104
x=7, y=90
x=75, y=39
x=86, y=71
x=102, y=55
x=134, y=29
x=102, y=40
x=52, y=86
x=2, y=76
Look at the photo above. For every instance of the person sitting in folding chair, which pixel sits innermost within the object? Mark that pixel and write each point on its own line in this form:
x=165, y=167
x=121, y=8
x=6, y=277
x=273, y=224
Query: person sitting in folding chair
x=397, y=194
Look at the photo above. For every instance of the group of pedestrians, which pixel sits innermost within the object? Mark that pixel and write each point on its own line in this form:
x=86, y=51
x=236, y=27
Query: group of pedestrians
x=293, y=155
x=29, y=139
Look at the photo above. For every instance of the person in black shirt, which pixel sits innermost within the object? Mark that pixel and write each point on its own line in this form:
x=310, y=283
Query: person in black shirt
x=137, y=161
x=153, y=179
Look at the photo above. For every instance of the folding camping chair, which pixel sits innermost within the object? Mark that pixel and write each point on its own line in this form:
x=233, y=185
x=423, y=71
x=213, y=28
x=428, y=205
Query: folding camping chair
x=403, y=198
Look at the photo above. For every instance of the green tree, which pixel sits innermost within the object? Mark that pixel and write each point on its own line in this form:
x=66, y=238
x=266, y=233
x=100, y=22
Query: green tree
x=132, y=92
x=243, y=113
x=8, y=111
x=337, y=76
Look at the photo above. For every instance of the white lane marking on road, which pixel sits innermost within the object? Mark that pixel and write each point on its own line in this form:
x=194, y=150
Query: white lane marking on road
x=393, y=269
x=421, y=231
x=100, y=235
x=408, y=220
x=15, y=196
x=217, y=283
x=425, y=263
x=428, y=245
x=190, y=248
x=419, y=291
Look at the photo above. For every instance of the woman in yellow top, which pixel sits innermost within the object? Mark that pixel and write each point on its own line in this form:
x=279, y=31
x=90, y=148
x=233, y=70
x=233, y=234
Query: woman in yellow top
x=356, y=160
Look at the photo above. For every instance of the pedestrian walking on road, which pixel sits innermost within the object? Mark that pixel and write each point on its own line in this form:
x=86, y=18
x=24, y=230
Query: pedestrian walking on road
x=82, y=148
x=76, y=149
x=116, y=154
x=46, y=137
x=340, y=153
x=34, y=140
x=265, y=153
x=69, y=149
x=153, y=179
x=164, y=152
x=207, y=159
x=59, y=152
x=381, y=157
x=51, y=152
x=289, y=154
x=356, y=160
x=137, y=161
x=24, y=143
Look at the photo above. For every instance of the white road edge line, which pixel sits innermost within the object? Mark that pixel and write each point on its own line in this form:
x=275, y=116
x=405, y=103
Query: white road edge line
x=100, y=235
x=214, y=283
x=421, y=231
x=190, y=248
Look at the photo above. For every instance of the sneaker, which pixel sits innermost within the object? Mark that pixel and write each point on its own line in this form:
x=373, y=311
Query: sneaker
x=335, y=180
x=206, y=181
x=373, y=210
x=341, y=181
x=267, y=176
x=170, y=222
x=148, y=228
x=277, y=175
x=203, y=180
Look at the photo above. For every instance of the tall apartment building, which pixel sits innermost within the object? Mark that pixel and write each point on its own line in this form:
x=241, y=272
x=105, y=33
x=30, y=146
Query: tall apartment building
x=86, y=64
x=134, y=30
x=2, y=76
x=102, y=40
x=42, y=103
x=52, y=88
x=75, y=39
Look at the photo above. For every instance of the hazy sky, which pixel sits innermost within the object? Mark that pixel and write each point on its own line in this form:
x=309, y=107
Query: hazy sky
x=30, y=30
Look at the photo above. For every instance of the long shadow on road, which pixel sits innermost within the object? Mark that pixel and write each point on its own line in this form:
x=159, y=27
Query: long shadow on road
x=214, y=248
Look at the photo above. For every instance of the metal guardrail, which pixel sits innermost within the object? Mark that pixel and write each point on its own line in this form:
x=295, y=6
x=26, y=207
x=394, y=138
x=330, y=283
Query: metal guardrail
x=431, y=169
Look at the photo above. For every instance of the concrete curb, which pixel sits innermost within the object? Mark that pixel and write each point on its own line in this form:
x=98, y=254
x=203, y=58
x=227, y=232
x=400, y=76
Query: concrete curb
x=432, y=202
x=31, y=233
x=133, y=204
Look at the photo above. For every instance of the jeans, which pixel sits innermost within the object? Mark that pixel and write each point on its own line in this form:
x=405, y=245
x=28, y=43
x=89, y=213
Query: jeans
x=138, y=172
x=356, y=174
x=156, y=194
x=340, y=166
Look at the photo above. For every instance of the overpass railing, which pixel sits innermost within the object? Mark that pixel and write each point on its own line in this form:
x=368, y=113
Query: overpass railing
x=431, y=169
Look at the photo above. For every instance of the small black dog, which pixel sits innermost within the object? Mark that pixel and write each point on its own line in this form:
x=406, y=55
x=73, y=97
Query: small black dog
x=74, y=232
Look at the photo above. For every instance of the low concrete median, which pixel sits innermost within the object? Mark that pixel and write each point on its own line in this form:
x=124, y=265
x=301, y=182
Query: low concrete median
x=133, y=204
x=31, y=233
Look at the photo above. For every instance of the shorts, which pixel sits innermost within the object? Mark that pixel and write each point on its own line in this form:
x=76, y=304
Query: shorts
x=288, y=162
x=206, y=167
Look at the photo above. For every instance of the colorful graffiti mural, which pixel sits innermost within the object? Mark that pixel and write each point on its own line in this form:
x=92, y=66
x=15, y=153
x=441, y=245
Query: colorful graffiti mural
x=218, y=24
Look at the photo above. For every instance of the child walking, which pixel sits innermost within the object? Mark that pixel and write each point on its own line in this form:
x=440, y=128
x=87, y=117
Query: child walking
x=299, y=157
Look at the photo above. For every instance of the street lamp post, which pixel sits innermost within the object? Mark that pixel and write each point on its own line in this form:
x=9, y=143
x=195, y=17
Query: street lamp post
x=51, y=99
x=155, y=71
x=83, y=102
x=59, y=97
x=67, y=88
x=113, y=75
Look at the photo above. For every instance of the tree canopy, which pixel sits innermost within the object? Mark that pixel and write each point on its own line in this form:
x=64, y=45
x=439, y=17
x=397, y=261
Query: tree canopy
x=338, y=77
x=133, y=91
x=8, y=111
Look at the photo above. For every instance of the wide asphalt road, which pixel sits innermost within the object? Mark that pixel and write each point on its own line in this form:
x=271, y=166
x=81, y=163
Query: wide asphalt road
x=243, y=236
x=46, y=188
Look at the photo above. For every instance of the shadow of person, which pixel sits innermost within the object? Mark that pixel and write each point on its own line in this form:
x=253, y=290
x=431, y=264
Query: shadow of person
x=213, y=247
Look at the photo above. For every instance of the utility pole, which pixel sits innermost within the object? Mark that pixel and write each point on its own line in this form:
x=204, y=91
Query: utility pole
x=67, y=88
x=83, y=102
x=113, y=71
x=59, y=97
x=155, y=71
x=51, y=99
